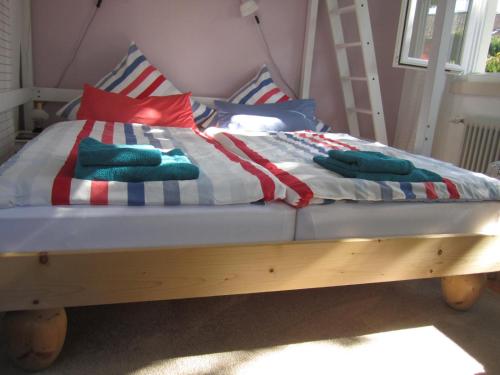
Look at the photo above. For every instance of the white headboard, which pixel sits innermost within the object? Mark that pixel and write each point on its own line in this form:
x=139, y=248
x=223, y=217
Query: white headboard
x=46, y=94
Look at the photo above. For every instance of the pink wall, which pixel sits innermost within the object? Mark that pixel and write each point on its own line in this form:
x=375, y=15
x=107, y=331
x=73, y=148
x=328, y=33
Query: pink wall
x=205, y=46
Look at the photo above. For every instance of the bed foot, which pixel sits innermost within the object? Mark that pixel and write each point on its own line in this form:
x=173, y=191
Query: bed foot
x=35, y=338
x=461, y=292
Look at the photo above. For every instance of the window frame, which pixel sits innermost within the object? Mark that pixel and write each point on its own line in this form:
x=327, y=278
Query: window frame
x=477, y=38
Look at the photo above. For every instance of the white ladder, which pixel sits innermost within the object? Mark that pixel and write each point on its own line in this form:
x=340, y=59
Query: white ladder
x=360, y=8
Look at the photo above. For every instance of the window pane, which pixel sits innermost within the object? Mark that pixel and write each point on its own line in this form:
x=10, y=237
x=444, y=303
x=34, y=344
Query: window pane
x=458, y=30
x=423, y=28
x=419, y=29
x=493, y=62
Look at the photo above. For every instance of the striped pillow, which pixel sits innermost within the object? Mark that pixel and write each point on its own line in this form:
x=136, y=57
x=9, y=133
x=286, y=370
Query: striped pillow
x=260, y=90
x=135, y=77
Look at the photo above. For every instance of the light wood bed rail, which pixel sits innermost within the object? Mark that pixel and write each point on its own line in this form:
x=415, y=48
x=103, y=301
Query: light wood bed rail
x=77, y=278
x=42, y=284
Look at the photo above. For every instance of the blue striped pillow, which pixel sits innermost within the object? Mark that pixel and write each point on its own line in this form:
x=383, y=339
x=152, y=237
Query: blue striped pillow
x=135, y=77
x=289, y=116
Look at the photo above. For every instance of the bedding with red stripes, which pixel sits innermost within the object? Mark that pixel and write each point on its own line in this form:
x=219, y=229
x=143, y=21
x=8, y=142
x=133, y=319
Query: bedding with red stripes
x=42, y=172
x=135, y=77
x=289, y=157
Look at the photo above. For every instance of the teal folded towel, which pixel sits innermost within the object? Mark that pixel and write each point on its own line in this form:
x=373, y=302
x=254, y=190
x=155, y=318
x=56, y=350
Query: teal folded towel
x=174, y=166
x=416, y=175
x=372, y=162
x=92, y=152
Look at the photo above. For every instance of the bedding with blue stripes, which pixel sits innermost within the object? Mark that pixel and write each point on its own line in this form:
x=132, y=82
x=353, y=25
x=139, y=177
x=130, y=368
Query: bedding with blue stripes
x=43, y=172
x=289, y=156
x=135, y=77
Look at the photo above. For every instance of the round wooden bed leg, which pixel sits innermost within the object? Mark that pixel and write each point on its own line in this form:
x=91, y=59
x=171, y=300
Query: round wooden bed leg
x=35, y=338
x=461, y=292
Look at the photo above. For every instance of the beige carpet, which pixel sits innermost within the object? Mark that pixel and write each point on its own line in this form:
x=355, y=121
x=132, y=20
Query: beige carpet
x=394, y=328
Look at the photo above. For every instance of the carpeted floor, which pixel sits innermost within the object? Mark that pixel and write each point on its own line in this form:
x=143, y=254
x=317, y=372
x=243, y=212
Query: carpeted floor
x=391, y=328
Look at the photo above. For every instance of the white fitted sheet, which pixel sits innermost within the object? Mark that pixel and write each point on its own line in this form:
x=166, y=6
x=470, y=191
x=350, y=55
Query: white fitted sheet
x=362, y=219
x=24, y=229
x=53, y=228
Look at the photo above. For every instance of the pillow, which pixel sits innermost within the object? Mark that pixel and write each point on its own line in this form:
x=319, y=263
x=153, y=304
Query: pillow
x=173, y=110
x=291, y=115
x=260, y=90
x=135, y=77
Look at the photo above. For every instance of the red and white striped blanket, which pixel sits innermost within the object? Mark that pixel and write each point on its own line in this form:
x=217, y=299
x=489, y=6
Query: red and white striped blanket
x=289, y=157
x=234, y=168
x=42, y=173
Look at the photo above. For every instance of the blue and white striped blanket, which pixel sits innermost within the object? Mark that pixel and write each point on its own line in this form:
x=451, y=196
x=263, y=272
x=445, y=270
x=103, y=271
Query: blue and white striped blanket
x=235, y=168
x=289, y=156
x=42, y=173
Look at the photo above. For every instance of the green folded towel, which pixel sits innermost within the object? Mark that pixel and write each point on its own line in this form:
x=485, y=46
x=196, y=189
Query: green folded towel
x=372, y=162
x=416, y=175
x=92, y=152
x=174, y=166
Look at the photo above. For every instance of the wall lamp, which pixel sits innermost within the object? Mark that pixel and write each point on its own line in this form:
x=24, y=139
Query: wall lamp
x=248, y=7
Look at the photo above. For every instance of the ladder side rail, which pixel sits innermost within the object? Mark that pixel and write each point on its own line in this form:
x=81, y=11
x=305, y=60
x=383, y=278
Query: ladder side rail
x=308, y=52
x=435, y=78
x=371, y=71
x=343, y=67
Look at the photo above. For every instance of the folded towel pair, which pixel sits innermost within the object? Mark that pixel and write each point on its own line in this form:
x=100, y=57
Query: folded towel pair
x=174, y=165
x=91, y=152
x=131, y=163
x=374, y=166
x=372, y=162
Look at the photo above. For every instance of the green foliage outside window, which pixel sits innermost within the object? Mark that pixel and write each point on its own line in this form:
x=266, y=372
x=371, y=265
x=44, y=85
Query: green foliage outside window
x=456, y=47
x=494, y=46
x=493, y=62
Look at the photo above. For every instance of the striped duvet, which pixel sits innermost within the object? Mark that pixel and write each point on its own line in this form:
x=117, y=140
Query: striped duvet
x=288, y=156
x=41, y=174
x=234, y=167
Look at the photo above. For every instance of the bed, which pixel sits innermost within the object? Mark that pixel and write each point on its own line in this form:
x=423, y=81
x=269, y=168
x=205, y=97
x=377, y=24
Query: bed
x=73, y=243
x=68, y=242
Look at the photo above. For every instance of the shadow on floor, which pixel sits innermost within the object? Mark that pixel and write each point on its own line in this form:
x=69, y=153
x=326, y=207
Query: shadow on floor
x=120, y=339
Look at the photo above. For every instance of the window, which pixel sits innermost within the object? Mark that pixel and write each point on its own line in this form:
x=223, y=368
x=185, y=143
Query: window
x=493, y=60
x=471, y=35
x=5, y=47
x=7, y=123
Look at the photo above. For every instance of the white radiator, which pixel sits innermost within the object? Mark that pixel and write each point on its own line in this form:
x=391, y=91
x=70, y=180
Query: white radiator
x=481, y=145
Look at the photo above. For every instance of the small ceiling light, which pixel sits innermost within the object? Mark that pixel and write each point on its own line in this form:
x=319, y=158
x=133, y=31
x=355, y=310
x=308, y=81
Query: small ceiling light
x=248, y=7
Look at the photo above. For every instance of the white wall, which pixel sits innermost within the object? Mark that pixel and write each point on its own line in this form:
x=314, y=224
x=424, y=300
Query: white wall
x=463, y=98
x=9, y=120
x=409, y=107
x=449, y=135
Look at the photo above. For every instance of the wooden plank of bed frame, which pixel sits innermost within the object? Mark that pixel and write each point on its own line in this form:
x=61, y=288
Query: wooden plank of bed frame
x=32, y=281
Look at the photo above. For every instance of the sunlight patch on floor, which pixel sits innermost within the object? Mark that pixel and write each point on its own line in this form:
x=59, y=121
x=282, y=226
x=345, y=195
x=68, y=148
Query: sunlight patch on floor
x=423, y=350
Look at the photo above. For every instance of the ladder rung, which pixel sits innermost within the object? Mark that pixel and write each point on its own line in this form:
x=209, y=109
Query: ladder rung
x=360, y=110
x=355, y=78
x=344, y=10
x=348, y=45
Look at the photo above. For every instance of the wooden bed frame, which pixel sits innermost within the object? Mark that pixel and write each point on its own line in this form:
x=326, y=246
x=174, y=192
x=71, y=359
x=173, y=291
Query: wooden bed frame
x=44, y=282
x=35, y=287
x=78, y=278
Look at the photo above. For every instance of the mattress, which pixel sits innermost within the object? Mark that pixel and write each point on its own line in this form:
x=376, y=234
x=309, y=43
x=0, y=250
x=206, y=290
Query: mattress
x=52, y=228
x=367, y=220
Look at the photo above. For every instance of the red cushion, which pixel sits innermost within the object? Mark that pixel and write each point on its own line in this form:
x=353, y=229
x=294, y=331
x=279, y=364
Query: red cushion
x=172, y=110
